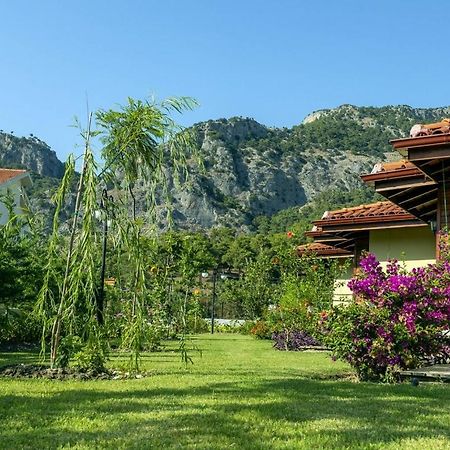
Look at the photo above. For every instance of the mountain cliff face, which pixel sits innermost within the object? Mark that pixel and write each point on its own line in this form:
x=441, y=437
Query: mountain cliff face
x=30, y=153
x=248, y=173
x=252, y=170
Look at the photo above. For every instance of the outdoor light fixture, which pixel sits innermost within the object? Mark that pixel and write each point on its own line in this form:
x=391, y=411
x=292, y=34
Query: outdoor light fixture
x=206, y=275
x=213, y=275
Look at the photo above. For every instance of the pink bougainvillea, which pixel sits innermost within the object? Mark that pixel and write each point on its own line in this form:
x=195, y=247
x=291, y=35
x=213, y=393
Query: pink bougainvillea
x=399, y=319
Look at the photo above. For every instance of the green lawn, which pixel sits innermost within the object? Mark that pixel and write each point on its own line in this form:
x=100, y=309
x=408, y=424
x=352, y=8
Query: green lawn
x=240, y=394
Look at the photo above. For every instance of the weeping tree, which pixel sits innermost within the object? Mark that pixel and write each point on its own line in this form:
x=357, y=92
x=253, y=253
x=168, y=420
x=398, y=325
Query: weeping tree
x=138, y=141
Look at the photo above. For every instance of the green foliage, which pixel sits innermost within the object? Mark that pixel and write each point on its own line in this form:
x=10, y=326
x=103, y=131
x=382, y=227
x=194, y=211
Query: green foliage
x=255, y=289
x=22, y=247
x=91, y=356
x=196, y=324
x=20, y=252
x=273, y=274
x=360, y=130
x=18, y=325
x=261, y=330
x=247, y=326
x=306, y=289
x=232, y=327
x=139, y=140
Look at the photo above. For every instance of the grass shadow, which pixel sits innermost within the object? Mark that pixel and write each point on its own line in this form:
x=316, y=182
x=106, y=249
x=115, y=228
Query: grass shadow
x=243, y=415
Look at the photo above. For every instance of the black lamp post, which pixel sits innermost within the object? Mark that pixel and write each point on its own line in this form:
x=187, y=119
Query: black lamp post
x=214, y=280
x=102, y=214
x=223, y=276
x=205, y=275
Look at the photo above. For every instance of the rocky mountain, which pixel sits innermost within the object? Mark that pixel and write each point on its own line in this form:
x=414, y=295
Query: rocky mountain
x=30, y=153
x=251, y=170
x=46, y=169
x=248, y=173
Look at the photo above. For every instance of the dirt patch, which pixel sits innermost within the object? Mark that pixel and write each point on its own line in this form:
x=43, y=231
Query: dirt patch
x=42, y=371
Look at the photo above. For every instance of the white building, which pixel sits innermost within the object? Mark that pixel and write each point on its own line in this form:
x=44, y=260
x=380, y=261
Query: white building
x=12, y=183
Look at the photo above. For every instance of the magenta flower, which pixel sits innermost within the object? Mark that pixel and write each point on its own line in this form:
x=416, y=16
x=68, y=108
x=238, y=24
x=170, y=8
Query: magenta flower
x=398, y=319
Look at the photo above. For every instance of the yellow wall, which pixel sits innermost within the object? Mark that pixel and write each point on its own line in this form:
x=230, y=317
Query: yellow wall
x=416, y=246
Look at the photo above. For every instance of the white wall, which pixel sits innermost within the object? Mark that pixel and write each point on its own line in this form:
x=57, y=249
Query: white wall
x=15, y=190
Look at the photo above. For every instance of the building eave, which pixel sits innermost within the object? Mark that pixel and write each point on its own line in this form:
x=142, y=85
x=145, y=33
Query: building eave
x=402, y=145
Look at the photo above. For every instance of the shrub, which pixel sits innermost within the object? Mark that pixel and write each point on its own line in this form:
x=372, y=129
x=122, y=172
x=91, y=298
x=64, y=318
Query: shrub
x=293, y=340
x=21, y=274
x=397, y=321
x=197, y=325
x=247, y=326
x=261, y=330
x=306, y=289
x=92, y=356
x=231, y=327
x=18, y=326
x=286, y=319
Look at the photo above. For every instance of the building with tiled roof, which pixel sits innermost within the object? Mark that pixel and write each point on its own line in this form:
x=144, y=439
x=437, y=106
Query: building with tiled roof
x=382, y=228
x=405, y=227
x=377, y=214
x=12, y=184
x=407, y=186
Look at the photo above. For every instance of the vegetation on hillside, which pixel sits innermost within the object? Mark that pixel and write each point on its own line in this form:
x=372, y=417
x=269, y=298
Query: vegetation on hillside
x=298, y=219
x=359, y=130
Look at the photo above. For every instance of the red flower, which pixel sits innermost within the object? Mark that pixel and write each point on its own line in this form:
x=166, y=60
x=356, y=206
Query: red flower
x=290, y=234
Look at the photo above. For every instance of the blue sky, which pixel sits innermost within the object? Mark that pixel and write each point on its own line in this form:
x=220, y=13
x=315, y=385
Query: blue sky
x=275, y=61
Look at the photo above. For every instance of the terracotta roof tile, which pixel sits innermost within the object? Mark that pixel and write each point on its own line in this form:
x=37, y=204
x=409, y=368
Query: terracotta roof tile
x=314, y=232
x=393, y=170
x=383, y=210
x=9, y=174
x=420, y=129
x=393, y=166
x=320, y=249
